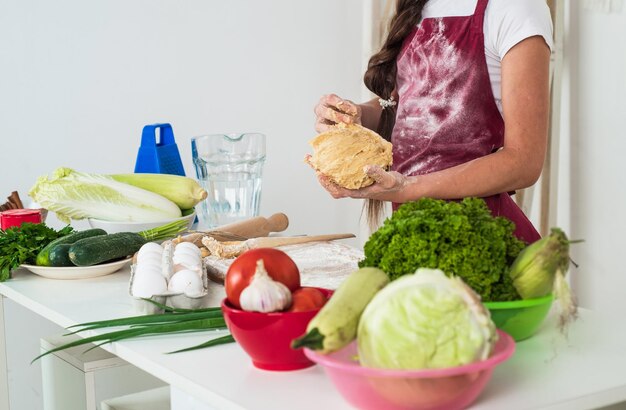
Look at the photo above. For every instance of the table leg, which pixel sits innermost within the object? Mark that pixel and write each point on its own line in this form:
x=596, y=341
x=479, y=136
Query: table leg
x=4, y=377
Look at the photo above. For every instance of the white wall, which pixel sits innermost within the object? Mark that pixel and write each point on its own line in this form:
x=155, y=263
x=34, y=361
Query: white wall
x=598, y=146
x=79, y=79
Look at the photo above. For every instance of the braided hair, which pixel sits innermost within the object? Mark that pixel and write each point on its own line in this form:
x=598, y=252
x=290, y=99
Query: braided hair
x=380, y=78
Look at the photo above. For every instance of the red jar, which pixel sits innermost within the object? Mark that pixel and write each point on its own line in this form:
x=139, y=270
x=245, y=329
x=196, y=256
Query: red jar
x=16, y=217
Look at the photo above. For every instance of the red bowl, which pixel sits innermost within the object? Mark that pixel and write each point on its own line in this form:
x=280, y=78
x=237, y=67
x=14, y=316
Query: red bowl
x=267, y=337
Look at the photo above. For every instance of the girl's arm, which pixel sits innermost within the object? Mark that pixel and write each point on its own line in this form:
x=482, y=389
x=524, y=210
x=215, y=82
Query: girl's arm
x=525, y=100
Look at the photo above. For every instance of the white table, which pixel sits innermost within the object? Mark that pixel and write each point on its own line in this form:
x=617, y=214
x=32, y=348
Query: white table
x=547, y=372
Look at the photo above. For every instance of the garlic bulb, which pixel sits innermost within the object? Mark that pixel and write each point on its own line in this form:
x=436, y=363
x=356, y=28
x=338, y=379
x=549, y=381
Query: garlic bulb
x=264, y=294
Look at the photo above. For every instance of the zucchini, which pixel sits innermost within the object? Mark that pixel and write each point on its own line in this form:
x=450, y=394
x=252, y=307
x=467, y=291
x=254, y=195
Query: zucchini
x=99, y=249
x=43, y=257
x=337, y=322
x=59, y=255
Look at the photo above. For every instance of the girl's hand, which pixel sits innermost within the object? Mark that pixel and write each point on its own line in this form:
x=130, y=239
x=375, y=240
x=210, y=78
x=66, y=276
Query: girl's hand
x=388, y=185
x=332, y=110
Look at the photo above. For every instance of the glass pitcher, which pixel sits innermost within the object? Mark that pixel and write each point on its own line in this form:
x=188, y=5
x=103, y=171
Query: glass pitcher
x=229, y=167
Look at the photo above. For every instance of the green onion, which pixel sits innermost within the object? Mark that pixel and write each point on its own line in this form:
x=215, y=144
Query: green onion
x=148, y=325
x=213, y=342
x=167, y=231
x=178, y=310
x=139, y=321
x=145, y=319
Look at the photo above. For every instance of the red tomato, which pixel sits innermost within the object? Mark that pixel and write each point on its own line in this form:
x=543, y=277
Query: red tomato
x=305, y=299
x=278, y=264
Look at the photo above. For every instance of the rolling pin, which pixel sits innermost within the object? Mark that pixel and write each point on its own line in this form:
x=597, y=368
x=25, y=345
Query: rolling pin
x=229, y=250
x=293, y=240
x=257, y=227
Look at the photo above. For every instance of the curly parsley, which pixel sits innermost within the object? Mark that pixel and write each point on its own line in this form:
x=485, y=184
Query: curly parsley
x=460, y=238
x=22, y=244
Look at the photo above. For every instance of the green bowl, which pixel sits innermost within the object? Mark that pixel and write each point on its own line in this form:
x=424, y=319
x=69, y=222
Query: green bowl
x=520, y=318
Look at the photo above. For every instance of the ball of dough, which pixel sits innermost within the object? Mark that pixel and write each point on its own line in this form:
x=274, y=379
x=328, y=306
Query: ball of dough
x=342, y=152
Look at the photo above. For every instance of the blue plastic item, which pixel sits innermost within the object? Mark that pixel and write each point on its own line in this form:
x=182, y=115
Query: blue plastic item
x=158, y=157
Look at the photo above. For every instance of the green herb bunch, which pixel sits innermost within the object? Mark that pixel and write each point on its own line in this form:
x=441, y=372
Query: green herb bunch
x=21, y=244
x=460, y=238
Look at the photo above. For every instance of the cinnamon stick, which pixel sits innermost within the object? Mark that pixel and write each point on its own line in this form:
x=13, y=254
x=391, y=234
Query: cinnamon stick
x=15, y=198
x=13, y=202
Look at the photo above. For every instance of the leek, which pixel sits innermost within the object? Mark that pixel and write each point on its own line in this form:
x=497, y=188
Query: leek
x=78, y=195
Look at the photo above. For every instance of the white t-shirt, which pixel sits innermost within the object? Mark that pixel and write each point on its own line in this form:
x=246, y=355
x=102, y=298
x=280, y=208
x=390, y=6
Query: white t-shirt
x=507, y=22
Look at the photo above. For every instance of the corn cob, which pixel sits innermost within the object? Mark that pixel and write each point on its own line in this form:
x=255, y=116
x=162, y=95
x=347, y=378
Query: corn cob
x=540, y=269
x=533, y=271
x=183, y=191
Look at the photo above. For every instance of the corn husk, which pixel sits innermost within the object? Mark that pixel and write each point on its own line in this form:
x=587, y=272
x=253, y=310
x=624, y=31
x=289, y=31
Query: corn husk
x=540, y=270
x=183, y=191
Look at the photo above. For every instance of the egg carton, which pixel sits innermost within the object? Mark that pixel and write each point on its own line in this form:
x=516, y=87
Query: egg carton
x=173, y=299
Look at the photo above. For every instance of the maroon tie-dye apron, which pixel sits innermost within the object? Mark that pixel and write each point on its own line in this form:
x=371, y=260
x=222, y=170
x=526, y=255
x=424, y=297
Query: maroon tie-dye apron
x=447, y=114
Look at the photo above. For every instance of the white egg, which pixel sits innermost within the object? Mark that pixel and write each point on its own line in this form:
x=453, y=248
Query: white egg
x=187, y=260
x=150, y=247
x=187, y=246
x=149, y=256
x=187, y=251
x=198, y=269
x=147, y=283
x=149, y=265
x=149, y=250
x=186, y=281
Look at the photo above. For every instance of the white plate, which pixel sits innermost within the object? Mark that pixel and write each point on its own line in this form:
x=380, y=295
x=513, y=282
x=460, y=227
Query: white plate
x=77, y=272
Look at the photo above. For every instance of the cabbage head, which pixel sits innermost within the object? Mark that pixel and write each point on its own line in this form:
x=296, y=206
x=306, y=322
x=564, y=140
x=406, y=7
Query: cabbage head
x=425, y=321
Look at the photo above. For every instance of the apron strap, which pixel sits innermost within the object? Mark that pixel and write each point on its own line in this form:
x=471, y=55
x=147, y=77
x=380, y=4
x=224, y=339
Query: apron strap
x=479, y=15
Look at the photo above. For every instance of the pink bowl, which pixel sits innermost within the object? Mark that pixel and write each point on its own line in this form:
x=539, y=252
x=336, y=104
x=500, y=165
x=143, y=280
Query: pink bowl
x=432, y=389
x=267, y=337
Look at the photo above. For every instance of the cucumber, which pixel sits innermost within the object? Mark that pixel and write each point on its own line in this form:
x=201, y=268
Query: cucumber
x=43, y=257
x=99, y=249
x=59, y=255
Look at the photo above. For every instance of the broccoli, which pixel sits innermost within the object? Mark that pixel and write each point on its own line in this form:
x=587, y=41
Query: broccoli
x=460, y=238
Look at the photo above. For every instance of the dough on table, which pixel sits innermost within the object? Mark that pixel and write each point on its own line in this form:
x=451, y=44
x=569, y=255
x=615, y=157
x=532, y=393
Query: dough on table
x=342, y=152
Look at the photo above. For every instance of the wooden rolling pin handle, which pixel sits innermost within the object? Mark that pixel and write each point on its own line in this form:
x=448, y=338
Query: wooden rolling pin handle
x=294, y=240
x=258, y=226
x=277, y=222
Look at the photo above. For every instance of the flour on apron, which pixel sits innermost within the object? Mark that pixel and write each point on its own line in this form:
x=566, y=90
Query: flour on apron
x=447, y=114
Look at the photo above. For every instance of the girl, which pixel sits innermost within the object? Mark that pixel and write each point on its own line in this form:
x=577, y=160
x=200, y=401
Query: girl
x=464, y=95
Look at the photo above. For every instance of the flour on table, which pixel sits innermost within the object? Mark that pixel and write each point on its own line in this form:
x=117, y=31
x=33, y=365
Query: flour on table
x=321, y=264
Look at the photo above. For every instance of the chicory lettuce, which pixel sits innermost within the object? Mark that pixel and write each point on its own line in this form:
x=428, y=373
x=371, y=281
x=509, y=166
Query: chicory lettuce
x=78, y=195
